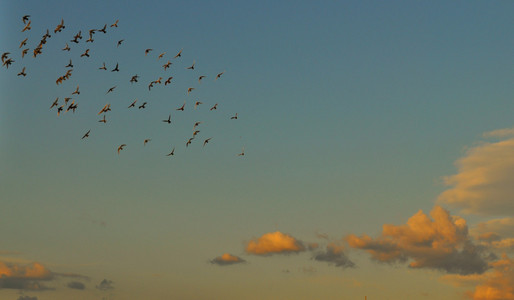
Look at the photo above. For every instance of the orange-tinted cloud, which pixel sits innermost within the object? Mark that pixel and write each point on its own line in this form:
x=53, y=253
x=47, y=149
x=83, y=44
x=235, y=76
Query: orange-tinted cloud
x=497, y=284
x=24, y=277
x=227, y=259
x=484, y=183
x=440, y=242
x=274, y=243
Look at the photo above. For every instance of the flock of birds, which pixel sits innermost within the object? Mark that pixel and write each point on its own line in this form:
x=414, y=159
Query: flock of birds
x=69, y=104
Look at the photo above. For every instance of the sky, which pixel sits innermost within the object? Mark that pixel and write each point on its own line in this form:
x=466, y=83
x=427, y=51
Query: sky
x=377, y=136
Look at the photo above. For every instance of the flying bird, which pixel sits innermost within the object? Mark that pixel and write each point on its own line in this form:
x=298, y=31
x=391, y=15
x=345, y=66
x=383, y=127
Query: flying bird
x=66, y=100
x=166, y=65
x=22, y=73
x=111, y=89
x=219, y=75
x=8, y=62
x=142, y=105
x=192, y=66
x=242, y=152
x=119, y=43
x=134, y=78
x=25, y=18
x=161, y=55
x=76, y=91
x=200, y=78
x=70, y=65
x=115, y=68
x=90, y=39
x=196, y=132
x=146, y=141
x=103, y=29
x=103, y=67
x=168, y=120
x=196, y=124
x=103, y=120
x=5, y=55
x=133, y=104
x=115, y=24
x=67, y=48
x=59, y=27
x=147, y=51
x=234, y=117
x=27, y=27
x=121, y=147
x=214, y=107
x=172, y=152
x=206, y=141
x=189, y=90
x=197, y=103
x=56, y=102
x=24, y=42
x=85, y=53
x=105, y=109
x=24, y=52
x=168, y=81
x=182, y=107
x=59, y=109
x=87, y=134
x=189, y=141
x=179, y=54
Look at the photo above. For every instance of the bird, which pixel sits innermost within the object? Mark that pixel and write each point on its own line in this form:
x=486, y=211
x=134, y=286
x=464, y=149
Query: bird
x=146, y=141
x=179, y=54
x=59, y=109
x=134, y=78
x=150, y=85
x=242, y=152
x=168, y=120
x=189, y=90
x=5, y=55
x=161, y=55
x=189, y=141
x=147, y=51
x=90, y=39
x=23, y=52
x=206, y=141
x=103, y=29
x=158, y=80
x=197, y=103
x=115, y=68
x=195, y=132
x=219, y=75
x=110, y=90
x=59, y=27
x=103, y=120
x=22, y=73
x=76, y=91
x=166, y=65
x=25, y=18
x=121, y=147
x=103, y=67
x=214, y=107
x=192, y=66
x=142, y=105
x=182, y=107
x=168, y=81
x=133, y=104
x=87, y=134
x=46, y=35
x=66, y=100
x=115, y=24
x=70, y=65
x=234, y=117
x=105, y=109
x=72, y=106
x=85, y=53
x=27, y=27
x=24, y=42
x=196, y=124
x=67, y=48
x=8, y=62
x=56, y=102
x=172, y=152
x=119, y=43
x=200, y=78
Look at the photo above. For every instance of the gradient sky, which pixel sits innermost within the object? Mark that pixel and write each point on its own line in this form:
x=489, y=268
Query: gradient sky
x=352, y=115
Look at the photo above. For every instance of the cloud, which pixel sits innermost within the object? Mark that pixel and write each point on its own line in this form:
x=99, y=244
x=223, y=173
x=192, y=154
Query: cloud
x=24, y=277
x=274, y=243
x=334, y=255
x=227, y=259
x=502, y=227
x=499, y=133
x=440, y=243
x=497, y=284
x=76, y=285
x=105, y=285
x=484, y=183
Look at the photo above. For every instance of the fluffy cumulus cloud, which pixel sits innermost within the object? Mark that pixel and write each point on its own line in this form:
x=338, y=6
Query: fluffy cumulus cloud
x=484, y=183
x=334, y=255
x=274, y=243
x=496, y=284
x=227, y=259
x=440, y=242
x=24, y=277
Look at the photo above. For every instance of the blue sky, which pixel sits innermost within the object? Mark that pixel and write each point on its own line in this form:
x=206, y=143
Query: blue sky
x=350, y=113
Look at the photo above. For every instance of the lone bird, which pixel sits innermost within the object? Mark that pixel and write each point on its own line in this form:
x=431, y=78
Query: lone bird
x=86, y=135
x=168, y=81
x=161, y=55
x=24, y=42
x=70, y=65
x=196, y=124
x=172, y=152
x=22, y=73
x=134, y=78
x=76, y=92
x=189, y=90
x=24, y=52
x=103, y=67
x=200, y=78
x=103, y=29
x=192, y=66
x=59, y=27
x=168, y=120
x=242, y=152
x=119, y=43
x=146, y=141
x=197, y=103
x=234, y=117
x=56, y=102
x=67, y=48
x=121, y=147
x=103, y=120
x=166, y=65
x=148, y=51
